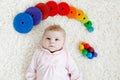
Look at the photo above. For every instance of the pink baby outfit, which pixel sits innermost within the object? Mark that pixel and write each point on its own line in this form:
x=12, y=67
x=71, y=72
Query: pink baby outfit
x=52, y=66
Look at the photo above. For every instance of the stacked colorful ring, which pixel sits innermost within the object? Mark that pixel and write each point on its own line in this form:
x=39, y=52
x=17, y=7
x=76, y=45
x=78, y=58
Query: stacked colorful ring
x=72, y=12
x=23, y=23
x=83, y=18
x=42, y=11
x=53, y=8
x=63, y=8
x=35, y=13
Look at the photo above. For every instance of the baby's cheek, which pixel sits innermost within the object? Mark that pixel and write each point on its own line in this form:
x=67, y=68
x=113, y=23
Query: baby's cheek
x=45, y=43
x=59, y=45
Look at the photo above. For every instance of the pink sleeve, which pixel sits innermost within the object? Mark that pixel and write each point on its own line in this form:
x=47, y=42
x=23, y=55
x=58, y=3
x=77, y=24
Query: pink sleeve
x=73, y=69
x=31, y=71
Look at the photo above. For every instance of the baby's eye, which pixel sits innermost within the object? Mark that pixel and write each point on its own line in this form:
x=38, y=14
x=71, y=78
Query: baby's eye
x=48, y=38
x=56, y=39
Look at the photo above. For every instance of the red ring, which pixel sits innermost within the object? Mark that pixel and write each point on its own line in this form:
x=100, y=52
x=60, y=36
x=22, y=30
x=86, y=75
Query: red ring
x=53, y=7
x=44, y=9
x=63, y=8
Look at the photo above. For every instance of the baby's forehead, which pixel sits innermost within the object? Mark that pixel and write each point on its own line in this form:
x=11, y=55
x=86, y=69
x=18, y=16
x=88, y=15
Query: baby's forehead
x=54, y=33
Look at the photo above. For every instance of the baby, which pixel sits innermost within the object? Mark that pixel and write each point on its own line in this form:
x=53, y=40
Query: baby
x=51, y=61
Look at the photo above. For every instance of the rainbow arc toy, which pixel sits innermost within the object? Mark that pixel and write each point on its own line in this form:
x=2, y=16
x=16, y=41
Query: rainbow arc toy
x=24, y=22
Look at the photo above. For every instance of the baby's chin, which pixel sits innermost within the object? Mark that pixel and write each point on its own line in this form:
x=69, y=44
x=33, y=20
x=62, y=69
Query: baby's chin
x=52, y=50
x=55, y=50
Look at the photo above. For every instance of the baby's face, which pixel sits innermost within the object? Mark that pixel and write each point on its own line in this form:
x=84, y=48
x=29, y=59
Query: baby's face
x=53, y=40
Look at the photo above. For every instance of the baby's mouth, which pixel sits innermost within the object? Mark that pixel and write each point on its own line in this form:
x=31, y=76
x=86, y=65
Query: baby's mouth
x=51, y=46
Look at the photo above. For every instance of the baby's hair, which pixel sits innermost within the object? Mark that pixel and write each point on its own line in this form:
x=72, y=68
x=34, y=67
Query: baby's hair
x=55, y=28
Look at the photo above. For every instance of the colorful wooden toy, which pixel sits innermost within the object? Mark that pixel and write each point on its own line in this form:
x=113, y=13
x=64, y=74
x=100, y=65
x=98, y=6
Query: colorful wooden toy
x=91, y=49
x=90, y=55
x=86, y=45
x=88, y=24
x=23, y=23
x=81, y=47
x=90, y=29
x=63, y=8
x=95, y=54
x=35, y=13
x=53, y=8
x=87, y=50
x=72, y=12
x=84, y=19
x=79, y=15
x=83, y=43
x=44, y=9
x=84, y=52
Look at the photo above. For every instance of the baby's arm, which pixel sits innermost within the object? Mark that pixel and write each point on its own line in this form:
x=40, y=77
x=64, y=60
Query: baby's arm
x=72, y=69
x=31, y=71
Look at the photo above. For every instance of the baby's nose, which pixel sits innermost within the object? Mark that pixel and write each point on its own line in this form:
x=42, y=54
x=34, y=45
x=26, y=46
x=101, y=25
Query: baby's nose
x=52, y=41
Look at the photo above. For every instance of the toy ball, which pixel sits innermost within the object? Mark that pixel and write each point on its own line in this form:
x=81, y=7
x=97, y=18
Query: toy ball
x=95, y=54
x=84, y=52
x=90, y=29
x=81, y=47
x=63, y=8
x=83, y=43
x=84, y=19
x=79, y=14
x=23, y=23
x=90, y=55
x=86, y=45
x=44, y=9
x=90, y=49
x=36, y=14
x=87, y=50
x=53, y=8
x=72, y=12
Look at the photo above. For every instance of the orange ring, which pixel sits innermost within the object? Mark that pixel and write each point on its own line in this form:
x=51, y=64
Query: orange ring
x=72, y=12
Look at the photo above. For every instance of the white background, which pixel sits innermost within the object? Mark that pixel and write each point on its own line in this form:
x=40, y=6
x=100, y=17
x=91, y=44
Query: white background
x=16, y=49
